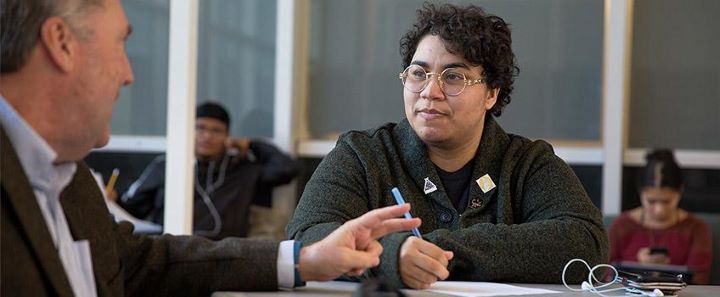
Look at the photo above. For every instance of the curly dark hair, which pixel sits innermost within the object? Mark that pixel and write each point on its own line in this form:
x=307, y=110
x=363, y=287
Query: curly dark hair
x=481, y=38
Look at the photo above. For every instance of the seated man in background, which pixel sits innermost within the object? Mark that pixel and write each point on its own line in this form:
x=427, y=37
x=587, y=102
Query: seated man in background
x=659, y=232
x=228, y=174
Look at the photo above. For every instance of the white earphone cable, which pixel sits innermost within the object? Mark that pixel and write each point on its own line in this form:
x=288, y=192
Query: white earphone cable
x=205, y=195
x=602, y=287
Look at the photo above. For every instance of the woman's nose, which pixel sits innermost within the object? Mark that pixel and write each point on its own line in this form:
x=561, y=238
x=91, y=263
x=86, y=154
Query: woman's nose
x=433, y=89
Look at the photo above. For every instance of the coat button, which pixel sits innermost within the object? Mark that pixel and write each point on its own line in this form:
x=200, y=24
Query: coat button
x=445, y=217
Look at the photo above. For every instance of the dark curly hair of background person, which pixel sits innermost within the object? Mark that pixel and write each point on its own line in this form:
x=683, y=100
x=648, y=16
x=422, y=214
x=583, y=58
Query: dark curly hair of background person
x=482, y=39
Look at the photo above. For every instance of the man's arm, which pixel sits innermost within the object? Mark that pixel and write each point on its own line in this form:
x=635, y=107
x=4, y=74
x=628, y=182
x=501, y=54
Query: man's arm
x=353, y=247
x=278, y=167
x=189, y=265
x=195, y=266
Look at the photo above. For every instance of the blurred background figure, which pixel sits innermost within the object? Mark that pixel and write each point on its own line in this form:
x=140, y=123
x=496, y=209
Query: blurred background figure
x=229, y=175
x=659, y=232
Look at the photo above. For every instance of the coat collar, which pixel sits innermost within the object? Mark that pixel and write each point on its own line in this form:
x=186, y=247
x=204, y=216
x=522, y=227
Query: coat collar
x=22, y=200
x=488, y=160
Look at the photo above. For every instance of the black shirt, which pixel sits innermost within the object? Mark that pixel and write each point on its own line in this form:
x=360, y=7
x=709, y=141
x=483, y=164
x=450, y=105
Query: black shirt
x=457, y=185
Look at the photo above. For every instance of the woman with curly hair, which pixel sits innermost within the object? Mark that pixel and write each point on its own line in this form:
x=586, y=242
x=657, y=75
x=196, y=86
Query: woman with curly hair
x=494, y=206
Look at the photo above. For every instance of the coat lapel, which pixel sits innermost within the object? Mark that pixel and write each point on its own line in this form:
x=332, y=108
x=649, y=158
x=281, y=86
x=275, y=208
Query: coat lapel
x=24, y=204
x=87, y=215
x=488, y=162
x=415, y=156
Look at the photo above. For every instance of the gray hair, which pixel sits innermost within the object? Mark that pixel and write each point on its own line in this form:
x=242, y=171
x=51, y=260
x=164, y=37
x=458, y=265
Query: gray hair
x=21, y=21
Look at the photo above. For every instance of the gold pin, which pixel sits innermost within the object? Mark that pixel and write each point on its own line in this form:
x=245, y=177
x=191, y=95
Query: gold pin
x=486, y=183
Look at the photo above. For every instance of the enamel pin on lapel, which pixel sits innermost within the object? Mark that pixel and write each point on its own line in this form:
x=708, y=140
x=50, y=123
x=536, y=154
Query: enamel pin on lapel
x=476, y=203
x=429, y=186
x=486, y=183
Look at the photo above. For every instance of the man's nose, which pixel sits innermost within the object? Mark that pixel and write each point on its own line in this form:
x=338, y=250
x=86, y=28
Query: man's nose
x=129, y=77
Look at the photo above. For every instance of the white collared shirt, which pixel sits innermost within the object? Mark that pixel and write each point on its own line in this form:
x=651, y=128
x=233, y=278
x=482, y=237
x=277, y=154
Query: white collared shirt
x=47, y=181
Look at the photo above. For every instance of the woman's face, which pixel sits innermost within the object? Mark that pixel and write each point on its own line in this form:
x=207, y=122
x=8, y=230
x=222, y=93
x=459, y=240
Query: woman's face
x=441, y=120
x=660, y=203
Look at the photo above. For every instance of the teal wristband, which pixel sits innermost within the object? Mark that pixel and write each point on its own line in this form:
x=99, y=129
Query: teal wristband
x=296, y=259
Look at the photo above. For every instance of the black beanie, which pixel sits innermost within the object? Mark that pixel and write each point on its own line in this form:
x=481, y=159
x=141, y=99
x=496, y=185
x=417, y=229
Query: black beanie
x=213, y=110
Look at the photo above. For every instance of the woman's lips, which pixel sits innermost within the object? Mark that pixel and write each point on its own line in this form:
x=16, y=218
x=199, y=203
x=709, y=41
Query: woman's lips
x=429, y=114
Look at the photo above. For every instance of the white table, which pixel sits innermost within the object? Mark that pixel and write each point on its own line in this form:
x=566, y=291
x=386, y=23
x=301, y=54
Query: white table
x=337, y=288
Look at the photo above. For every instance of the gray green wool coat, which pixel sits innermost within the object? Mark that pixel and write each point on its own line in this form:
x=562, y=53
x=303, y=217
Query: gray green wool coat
x=525, y=230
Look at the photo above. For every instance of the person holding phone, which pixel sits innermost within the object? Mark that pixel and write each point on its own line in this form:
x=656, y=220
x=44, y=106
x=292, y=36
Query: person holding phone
x=659, y=232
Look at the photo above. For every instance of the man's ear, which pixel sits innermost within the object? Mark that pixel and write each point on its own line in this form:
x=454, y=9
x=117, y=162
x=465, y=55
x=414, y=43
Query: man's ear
x=60, y=42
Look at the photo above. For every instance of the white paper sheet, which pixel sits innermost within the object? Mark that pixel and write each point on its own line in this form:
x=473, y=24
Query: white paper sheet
x=478, y=289
x=141, y=226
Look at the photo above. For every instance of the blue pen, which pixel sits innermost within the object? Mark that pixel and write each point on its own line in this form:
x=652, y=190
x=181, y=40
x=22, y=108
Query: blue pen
x=400, y=201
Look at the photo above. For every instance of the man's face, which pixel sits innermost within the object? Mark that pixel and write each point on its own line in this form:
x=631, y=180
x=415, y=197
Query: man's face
x=103, y=68
x=210, y=137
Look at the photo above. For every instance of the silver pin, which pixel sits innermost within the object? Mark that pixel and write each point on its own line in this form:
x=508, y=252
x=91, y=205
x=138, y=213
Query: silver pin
x=429, y=186
x=486, y=183
x=476, y=203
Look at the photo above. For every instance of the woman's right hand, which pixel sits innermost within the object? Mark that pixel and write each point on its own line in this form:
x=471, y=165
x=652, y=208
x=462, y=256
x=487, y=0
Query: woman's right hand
x=422, y=263
x=644, y=256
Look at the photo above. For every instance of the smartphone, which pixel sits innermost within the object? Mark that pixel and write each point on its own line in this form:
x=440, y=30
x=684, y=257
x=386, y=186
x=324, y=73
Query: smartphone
x=657, y=250
x=652, y=278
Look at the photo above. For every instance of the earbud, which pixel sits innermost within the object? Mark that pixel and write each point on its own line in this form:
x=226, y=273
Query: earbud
x=638, y=292
x=654, y=293
x=586, y=286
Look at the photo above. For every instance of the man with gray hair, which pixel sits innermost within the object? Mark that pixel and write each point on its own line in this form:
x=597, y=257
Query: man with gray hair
x=63, y=64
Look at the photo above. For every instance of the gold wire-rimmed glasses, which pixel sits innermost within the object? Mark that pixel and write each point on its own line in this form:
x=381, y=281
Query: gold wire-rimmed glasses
x=451, y=80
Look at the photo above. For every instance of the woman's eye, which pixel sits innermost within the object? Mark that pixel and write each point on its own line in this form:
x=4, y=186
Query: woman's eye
x=418, y=74
x=454, y=77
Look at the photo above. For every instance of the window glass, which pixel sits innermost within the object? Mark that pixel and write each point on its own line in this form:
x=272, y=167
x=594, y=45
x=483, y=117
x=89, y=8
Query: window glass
x=675, y=80
x=355, y=62
x=236, y=62
x=141, y=108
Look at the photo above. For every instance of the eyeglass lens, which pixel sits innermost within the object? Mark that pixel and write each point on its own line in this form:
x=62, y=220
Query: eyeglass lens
x=451, y=81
